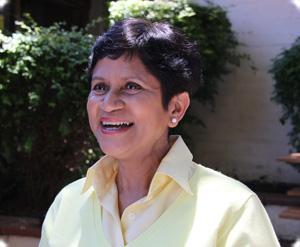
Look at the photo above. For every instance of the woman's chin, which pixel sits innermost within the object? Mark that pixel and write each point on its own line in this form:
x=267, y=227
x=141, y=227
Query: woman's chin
x=113, y=149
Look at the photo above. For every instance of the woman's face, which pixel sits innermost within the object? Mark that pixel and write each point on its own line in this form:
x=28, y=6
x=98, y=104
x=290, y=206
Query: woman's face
x=125, y=108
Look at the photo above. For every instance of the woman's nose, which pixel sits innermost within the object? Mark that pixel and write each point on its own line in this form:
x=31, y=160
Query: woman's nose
x=111, y=102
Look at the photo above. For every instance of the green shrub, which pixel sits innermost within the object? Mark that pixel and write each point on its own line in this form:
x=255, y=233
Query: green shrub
x=44, y=132
x=208, y=25
x=286, y=73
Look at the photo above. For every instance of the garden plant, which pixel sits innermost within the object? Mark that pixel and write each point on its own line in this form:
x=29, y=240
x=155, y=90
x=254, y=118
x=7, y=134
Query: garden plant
x=44, y=130
x=286, y=73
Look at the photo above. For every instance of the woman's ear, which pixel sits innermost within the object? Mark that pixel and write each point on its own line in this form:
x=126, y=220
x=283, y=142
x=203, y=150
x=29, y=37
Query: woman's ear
x=177, y=108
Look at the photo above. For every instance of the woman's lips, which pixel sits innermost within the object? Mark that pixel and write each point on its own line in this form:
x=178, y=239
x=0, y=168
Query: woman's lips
x=114, y=126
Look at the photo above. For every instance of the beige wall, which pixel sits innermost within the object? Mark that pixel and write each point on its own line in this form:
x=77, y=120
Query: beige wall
x=243, y=136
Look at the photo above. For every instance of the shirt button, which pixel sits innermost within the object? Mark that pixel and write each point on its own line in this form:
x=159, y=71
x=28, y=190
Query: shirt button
x=131, y=216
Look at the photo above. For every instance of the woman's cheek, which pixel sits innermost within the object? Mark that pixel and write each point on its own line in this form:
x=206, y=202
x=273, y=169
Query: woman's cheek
x=92, y=109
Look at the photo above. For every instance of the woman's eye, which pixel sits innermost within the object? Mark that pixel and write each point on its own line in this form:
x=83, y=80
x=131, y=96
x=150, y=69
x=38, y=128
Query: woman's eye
x=132, y=87
x=100, y=88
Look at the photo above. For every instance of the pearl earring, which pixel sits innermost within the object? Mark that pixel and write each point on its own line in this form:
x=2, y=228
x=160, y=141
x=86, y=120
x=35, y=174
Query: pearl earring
x=174, y=120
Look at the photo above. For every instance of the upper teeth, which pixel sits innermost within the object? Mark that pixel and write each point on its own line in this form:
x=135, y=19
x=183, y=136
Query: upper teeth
x=115, y=123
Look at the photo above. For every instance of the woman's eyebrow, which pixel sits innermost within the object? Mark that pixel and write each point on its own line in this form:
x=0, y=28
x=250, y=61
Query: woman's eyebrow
x=98, y=78
x=128, y=78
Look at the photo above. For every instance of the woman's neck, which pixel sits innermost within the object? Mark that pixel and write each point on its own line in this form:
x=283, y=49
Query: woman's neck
x=135, y=175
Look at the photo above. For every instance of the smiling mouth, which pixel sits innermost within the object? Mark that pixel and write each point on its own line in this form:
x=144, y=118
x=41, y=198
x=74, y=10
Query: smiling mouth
x=114, y=126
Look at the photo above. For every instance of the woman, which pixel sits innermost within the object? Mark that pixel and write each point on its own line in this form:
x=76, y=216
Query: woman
x=147, y=191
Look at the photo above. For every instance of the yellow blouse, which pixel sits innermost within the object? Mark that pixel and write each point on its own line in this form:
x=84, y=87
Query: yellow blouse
x=187, y=205
x=170, y=179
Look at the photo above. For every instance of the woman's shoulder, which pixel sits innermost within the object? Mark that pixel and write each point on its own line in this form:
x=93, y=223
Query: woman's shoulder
x=72, y=192
x=72, y=189
x=229, y=206
x=64, y=217
x=212, y=183
x=75, y=186
x=69, y=200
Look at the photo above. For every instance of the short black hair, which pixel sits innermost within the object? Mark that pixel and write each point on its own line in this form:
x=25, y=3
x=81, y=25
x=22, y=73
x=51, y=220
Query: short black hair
x=165, y=51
